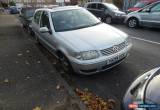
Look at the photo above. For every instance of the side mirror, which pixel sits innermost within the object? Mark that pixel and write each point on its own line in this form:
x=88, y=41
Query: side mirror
x=148, y=10
x=44, y=29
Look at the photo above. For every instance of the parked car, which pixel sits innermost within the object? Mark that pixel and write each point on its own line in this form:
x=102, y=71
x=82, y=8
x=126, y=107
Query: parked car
x=141, y=4
x=144, y=92
x=13, y=10
x=148, y=16
x=107, y=12
x=26, y=18
x=79, y=40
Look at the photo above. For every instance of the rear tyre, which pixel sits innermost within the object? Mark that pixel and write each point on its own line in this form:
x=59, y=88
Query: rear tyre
x=132, y=23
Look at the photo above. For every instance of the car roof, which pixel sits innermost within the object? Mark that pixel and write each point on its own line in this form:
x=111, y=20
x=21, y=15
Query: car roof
x=61, y=8
x=99, y=3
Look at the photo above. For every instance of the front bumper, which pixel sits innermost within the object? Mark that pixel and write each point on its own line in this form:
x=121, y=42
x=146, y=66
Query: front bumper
x=100, y=64
x=119, y=19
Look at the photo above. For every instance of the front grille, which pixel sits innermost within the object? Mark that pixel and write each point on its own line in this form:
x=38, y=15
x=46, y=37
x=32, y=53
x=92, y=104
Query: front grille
x=113, y=49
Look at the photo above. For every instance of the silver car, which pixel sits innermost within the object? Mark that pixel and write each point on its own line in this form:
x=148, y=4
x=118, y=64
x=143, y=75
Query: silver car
x=148, y=16
x=80, y=41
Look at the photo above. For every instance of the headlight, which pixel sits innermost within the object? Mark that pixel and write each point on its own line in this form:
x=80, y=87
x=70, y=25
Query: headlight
x=117, y=14
x=128, y=41
x=87, y=55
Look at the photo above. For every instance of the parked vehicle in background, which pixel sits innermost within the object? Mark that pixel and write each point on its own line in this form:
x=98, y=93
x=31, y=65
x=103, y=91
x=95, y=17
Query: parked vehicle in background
x=107, y=12
x=148, y=16
x=143, y=94
x=26, y=18
x=141, y=4
x=19, y=6
x=79, y=40
x=13, y=10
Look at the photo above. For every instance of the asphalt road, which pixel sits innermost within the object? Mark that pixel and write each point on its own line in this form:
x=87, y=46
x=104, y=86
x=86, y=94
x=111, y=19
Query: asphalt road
x=144, y=56
x=113, y=83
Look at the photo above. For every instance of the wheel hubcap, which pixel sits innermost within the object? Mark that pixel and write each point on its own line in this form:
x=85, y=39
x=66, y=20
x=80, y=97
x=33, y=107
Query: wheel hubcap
x=132, y=23
x=65, y=64
x=108, y=20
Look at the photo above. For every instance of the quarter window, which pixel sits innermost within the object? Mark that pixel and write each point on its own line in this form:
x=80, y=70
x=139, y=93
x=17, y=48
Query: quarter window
x=37, y=17
x=45, y=20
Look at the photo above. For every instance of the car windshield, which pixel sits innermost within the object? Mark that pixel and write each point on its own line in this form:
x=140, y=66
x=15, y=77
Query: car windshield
x=140, y=4
x=111, y=6
x=73, y=19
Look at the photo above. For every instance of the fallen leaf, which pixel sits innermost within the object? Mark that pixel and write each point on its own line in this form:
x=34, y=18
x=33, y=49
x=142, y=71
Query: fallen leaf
x=37, y=108
x=27, y=63
x=20, y=54
x=28, y=77
x=93, y=102
x=58, y=87
x=16, y=62
x=58, y=102
x=27, y=51
x=6, y=80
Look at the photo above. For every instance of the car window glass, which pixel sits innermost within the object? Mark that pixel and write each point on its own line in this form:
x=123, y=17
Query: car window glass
x=89, y=6
x=101, y=7
x=93, y=6
x=45, y=20
x=37, y=17
x=156, y=8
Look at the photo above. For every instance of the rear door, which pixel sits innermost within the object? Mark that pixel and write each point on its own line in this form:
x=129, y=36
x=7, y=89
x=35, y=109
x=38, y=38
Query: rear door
x=47, y=38
x=93, y=9
x=36, y=22
x=101, y=10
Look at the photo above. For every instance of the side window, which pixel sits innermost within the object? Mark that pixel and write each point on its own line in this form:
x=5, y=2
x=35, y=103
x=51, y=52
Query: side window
x=156, y=8
x=45, y=20
x=89, y=5
x=37, y=17
x=93, y=6
x=101, y=7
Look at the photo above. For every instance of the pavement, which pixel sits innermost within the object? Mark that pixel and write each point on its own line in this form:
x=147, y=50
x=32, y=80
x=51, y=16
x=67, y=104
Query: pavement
x=28, y=78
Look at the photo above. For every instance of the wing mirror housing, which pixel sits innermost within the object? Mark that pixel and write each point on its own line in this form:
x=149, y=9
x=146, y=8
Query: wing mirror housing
x=44, y=30
x=148, y=10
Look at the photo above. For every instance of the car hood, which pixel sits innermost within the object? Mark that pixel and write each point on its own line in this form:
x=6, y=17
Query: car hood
x=134, y=9
x=119, y=12
x=94, y=38
x=152, y=91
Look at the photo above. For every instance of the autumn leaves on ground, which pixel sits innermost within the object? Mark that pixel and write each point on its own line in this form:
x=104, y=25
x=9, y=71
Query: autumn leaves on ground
x=93, y=102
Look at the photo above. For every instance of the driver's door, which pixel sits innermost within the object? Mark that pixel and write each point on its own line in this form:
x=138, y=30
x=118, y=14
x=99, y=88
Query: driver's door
x=47, y=38
x=151, y=16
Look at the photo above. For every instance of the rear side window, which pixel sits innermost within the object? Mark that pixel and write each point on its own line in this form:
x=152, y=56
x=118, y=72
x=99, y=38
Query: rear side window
x=100, y=6
x=93, y=6
x=37, y=16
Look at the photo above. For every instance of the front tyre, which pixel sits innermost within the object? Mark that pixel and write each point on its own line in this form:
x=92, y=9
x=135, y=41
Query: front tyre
x=132, y=23
x=65, y=64
x=108, y=19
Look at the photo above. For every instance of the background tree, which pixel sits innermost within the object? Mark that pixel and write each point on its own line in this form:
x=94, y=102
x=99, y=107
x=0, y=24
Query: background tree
x=12, y=3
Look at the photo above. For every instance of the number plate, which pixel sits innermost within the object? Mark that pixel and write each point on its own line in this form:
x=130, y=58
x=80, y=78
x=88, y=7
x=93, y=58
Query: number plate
x=112, y=60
